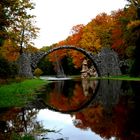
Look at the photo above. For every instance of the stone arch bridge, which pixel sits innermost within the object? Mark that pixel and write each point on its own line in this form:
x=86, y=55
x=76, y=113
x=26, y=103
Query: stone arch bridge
x=106, y=62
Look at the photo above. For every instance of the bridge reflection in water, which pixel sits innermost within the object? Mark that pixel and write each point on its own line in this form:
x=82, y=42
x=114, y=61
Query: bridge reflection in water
x=103, y=109
x=67, y=96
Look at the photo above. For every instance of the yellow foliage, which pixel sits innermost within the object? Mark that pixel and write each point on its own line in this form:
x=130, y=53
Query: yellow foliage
x=9, y=50
x=38, y=72
x=133, y=24
x=90, y=41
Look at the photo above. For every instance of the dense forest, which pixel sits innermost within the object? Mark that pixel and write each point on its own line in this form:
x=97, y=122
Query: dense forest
x=119, y=31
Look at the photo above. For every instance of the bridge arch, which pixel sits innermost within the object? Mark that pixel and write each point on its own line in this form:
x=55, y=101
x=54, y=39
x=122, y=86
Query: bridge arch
x=88, y=55
x=106, y=61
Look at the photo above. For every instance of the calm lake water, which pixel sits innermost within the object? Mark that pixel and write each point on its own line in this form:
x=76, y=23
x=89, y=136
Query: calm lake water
x=77, y=110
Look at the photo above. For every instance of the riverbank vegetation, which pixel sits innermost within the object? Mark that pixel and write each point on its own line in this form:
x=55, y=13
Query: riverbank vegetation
x=119, y=31
x=122, y=77
x=19, y=94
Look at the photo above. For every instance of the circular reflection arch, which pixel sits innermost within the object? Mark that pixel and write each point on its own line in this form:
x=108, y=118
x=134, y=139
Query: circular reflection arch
x=65, y=99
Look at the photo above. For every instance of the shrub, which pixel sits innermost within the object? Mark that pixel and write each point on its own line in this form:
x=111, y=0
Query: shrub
x=7, y=69
x=38, y=72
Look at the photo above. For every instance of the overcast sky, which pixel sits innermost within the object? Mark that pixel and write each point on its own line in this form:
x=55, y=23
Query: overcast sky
x=55, y=18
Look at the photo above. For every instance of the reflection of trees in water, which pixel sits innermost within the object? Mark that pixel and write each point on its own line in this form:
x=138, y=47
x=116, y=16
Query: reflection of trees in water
x=16, y=123
x=108, y=93
x=119, y=118
x=70, y=96
x=59, y=86
x=113, y=112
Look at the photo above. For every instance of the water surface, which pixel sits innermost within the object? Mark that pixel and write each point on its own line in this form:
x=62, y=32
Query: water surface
x=78, y=110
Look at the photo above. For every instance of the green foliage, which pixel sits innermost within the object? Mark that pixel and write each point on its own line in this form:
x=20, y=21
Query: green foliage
x=122, y=78
x=18, y=137
x=38, y=72
x=48, y=69
x=68, y=66
x=130, y=51
x=46, y=66
x=7, y=69
x=16, y=23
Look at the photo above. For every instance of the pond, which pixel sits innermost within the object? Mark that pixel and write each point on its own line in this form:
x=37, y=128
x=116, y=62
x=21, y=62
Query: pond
x=77, y=110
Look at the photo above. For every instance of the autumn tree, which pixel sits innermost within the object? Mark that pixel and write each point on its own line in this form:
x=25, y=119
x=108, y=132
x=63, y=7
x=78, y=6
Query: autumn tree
x=17, y=24
x=9, y=50
x=122, y=42
x=4, y=20
x=89, y=38
x=135, y=26
x=118, y=31
x=17, y=28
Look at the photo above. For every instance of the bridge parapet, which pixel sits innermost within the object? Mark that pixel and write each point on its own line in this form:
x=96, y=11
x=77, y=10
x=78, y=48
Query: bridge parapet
x=105, y=62
x=35, y=58
x=39, y=55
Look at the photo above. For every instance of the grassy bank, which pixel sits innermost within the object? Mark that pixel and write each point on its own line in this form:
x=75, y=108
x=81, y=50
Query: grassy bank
x=123, y=77
x=18, y=94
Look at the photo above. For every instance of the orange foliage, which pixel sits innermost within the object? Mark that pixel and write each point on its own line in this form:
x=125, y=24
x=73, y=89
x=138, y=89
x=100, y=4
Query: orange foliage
x=103, y=31
x=96, y=33
x=121, y=38
x=63, y=102
x=77, y=29
x=10, y=114
x=118, y=41
x=90, y=116
x=71, y=40
x=10, y=51
x=57, y=55
x=113, y=123
x=77, y=58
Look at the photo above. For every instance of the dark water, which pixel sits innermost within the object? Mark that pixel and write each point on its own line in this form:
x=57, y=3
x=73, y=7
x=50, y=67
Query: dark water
x=77, y=110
